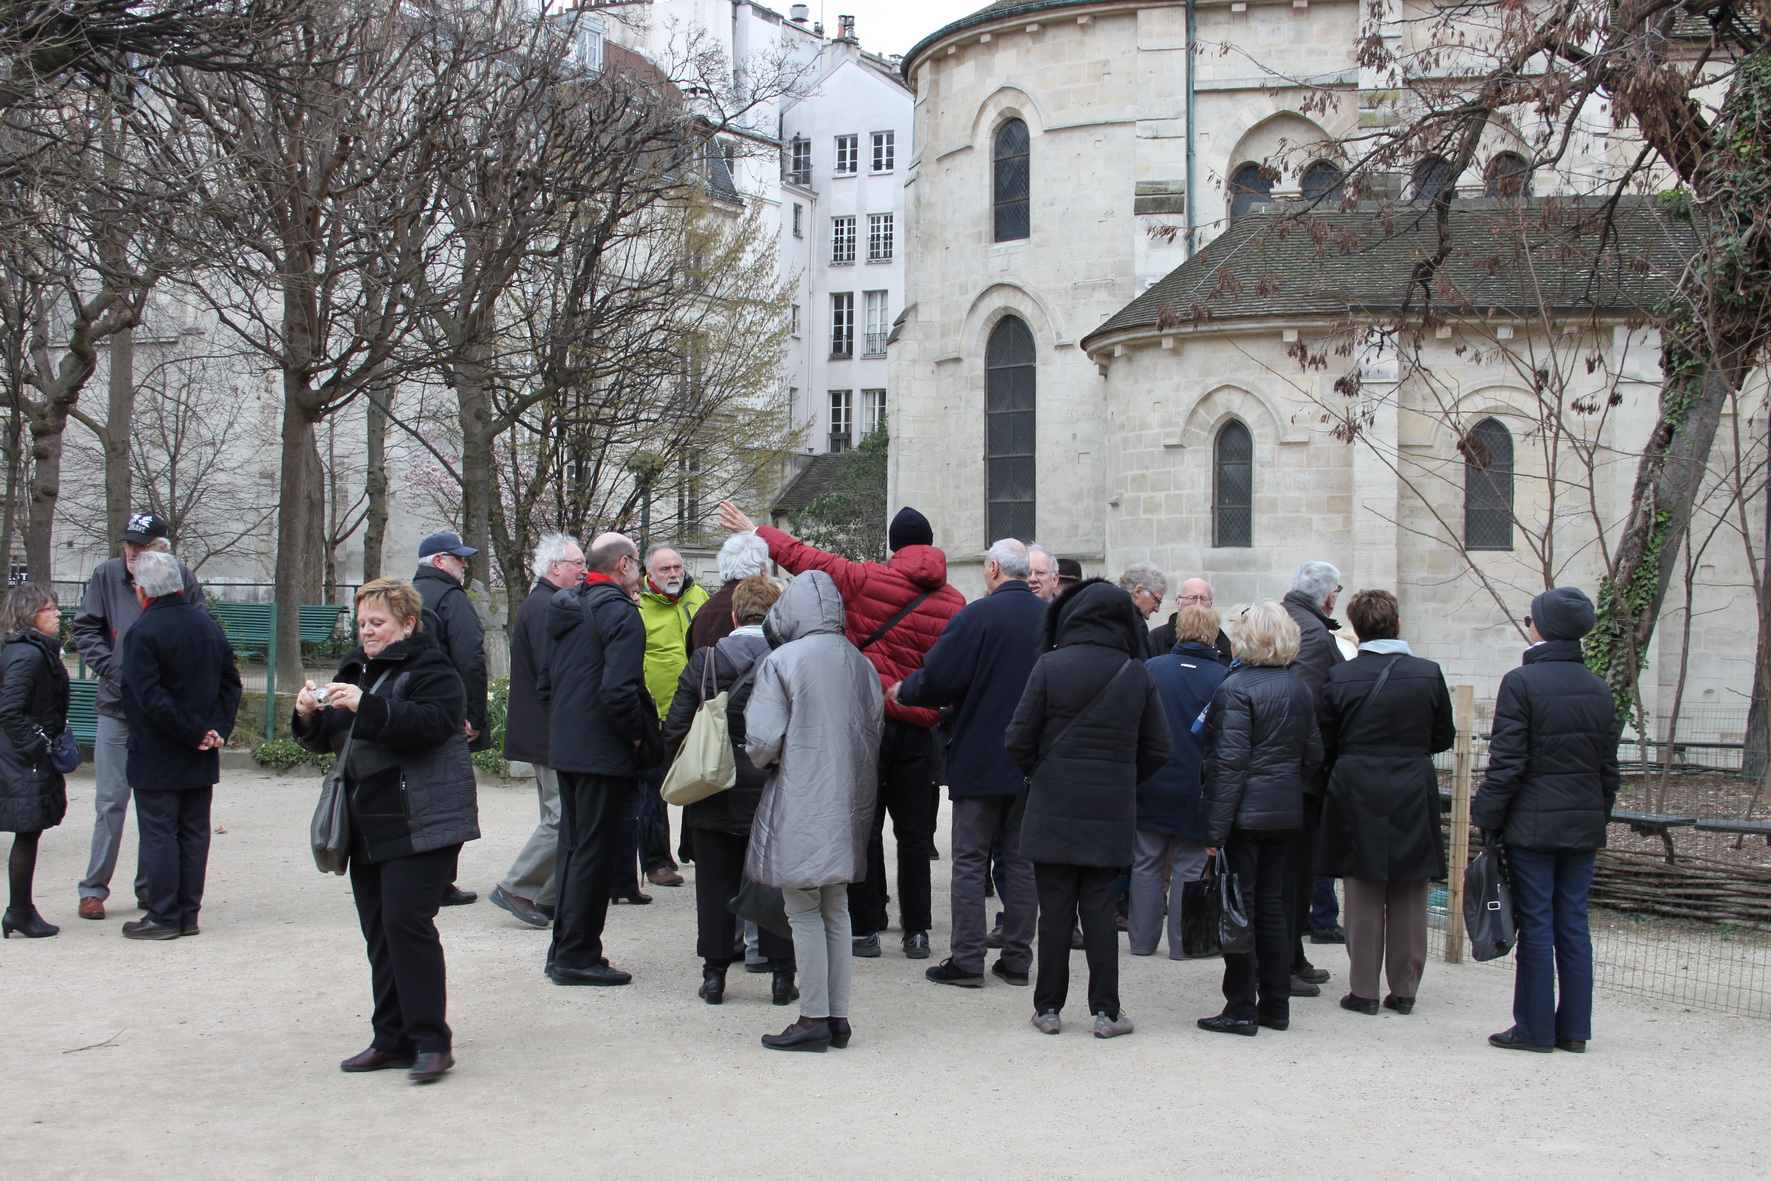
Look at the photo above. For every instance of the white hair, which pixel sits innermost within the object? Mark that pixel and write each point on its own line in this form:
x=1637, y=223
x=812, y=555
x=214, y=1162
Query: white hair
x=1145, y=575
x=1036, y=548
x=744, y=555
x=1316, y=581
x=1012, y=556
x=550, y=549
x=157, y=573
x=430, y=560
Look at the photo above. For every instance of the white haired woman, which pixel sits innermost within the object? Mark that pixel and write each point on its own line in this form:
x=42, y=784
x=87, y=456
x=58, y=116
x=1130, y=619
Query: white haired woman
x=1261, y=741
x=744, y=555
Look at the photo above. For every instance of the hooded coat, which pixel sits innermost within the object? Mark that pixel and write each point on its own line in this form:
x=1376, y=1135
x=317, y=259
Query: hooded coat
x=1082, y=795
x=813, y=723
x=873, y=594
x=33, y=711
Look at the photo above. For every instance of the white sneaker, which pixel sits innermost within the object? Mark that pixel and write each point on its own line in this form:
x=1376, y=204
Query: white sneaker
x=1047, y=1022
x=1106, y=1026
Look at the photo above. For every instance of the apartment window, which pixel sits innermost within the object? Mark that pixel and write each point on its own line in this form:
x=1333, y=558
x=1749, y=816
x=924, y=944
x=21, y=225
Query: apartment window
x=876, y=323
x=842, y=239
x=848, y=154
x=883, y=150
x=1233, y=494
x=842, y=419
x=1488, y=486
x=1009, y=186
x=842, y=325
x=793, y=321
x=1009, y=377
x=872, y=411
x=799, y=220
x=688, y=498
x=879, y=237
x=799, y=161
x=1249, y=186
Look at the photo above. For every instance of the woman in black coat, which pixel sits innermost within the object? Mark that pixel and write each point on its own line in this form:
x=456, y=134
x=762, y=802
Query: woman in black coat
x=33, y=712
x=1088, y=730
x=1380, y=812
x=718, y=827
x=412, y=802
x=1261, y=742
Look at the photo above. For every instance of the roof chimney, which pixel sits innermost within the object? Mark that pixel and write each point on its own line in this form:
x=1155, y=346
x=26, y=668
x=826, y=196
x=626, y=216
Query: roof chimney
x=845, y=28
x=799, y=14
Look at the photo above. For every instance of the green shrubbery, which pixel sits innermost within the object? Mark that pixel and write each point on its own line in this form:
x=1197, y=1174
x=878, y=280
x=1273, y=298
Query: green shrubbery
x=280, y=754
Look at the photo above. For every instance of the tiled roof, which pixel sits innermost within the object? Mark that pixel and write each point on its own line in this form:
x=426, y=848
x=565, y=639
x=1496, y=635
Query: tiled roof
x=1569, y=256
x=822, y=475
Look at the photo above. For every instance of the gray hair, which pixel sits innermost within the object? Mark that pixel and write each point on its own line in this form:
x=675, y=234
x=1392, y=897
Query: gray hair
x=1036, y=548
x=1145, y=575
x=1316, y=581
x=550, y=549
x=158, y=573
x=744, y=555
x=655, y=548
x=1012, y=556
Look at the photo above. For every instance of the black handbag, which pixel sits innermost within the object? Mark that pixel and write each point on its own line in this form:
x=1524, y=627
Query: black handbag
x=1488, y=904
x=64, y=752
x=1214, y=917
x=763, y=906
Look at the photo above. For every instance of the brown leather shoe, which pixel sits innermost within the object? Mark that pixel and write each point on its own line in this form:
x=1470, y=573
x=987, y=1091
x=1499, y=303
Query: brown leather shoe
x=665, y=877
x=92, y=908
x=148, y=929
x=430, y=1067
x=373, y=1059
x=193, y=929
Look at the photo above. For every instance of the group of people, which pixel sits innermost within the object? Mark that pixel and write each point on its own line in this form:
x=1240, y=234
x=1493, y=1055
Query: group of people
x=1096, y=765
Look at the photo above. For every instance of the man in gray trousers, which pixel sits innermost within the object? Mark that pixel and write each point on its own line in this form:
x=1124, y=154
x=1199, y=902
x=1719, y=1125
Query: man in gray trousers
x=107, y=610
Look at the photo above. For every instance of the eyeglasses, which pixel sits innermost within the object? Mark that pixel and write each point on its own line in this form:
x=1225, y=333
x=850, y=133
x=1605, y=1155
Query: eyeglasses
x=570, y=561
x=1201, y=599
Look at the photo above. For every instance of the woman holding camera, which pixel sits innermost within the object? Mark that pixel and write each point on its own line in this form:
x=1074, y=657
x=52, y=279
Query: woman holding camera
x=399, y=704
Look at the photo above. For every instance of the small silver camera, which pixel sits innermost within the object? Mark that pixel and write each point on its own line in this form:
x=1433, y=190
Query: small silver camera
x=321, y=696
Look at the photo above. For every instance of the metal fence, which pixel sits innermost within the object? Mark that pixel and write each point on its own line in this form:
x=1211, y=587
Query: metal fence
x=1721, y=964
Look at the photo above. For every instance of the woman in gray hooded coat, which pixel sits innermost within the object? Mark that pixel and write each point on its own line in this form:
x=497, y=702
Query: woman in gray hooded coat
x=813, y=723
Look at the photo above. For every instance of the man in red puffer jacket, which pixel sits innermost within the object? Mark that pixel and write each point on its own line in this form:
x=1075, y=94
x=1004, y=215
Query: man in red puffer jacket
x=894, y=613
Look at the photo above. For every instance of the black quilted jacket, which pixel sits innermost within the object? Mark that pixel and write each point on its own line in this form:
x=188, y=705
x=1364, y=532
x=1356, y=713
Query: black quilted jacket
x=1261, y=744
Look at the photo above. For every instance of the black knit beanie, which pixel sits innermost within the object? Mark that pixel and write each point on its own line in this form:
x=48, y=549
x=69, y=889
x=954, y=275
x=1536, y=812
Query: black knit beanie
x=909, y=527
x=1563, y=614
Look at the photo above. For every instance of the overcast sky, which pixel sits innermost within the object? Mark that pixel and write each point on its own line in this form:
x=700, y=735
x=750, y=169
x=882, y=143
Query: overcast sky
x=887, y=26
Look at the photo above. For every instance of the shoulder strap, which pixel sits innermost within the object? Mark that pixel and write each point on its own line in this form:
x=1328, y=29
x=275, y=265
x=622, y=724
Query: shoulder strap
x=895, y=620
x=1358, y=710
x=350, y=735
x=1090, y=707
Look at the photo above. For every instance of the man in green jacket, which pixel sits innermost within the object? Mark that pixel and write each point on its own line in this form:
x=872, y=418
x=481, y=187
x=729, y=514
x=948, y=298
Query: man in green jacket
x=669, y=599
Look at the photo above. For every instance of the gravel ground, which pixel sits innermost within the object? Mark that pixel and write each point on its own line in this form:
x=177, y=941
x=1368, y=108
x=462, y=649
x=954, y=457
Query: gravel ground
x=216, y=1057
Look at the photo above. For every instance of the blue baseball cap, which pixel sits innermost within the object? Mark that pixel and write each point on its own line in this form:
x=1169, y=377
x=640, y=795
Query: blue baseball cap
x=445, y=543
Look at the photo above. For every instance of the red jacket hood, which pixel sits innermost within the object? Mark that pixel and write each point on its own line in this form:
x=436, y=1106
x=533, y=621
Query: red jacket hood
x=924, y=565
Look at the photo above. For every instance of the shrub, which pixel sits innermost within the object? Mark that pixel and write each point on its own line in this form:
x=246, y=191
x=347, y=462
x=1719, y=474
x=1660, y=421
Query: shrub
x=492, y=762
x=280, y=754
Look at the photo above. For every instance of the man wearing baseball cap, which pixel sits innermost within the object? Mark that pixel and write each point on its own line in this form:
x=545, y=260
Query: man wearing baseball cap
x=107, y=610
x=449, y=614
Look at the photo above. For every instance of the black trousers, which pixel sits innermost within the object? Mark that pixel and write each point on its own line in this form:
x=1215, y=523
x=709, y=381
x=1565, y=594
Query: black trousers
x=397, y=902
x=908, y=791
x=1300, y=882
x=1259, y=861
x=719, y=870
x=591, y=811
x=1065, y=893
x=172, y=830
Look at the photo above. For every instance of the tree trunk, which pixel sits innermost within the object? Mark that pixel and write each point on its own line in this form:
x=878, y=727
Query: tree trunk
x=14, y=467
x=119, y=418
x=46, y=453
x=300, y=525
x=375, y=487
x=478, y=488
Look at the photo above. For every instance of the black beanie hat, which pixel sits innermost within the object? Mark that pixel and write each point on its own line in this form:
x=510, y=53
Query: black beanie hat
x=909, y=527
x=1563, y=614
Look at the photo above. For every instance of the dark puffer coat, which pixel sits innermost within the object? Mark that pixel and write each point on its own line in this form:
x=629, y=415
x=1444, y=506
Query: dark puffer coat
x=1082, y=801
x=1261, y=743
x=1185, y=679
x=730, y=810
x=1552, y=759
x=462, y=637
x=1380, y=813
x=33, y=710
x=593, y=683
x=410, y=776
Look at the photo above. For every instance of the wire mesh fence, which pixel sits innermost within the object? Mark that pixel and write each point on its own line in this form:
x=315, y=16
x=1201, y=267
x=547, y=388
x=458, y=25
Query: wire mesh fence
x=1681, y=902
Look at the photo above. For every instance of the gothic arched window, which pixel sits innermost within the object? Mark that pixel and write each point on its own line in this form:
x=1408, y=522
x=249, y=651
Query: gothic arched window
x=1248, y=186
x=1010, y=181
x=1507, y=178
x=1488, y=486
x=1321, y=179
x=1009, y=389
x=1233, y=488
x=1431, y=177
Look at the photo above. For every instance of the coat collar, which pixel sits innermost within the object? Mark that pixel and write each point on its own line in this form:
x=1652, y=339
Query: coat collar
x=1555, y=650
x=395, y=653
x=1328, y=621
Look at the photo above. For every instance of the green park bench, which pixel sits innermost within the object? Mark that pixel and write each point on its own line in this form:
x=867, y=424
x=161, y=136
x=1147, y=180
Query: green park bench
x=83, y=711
x=249, y=626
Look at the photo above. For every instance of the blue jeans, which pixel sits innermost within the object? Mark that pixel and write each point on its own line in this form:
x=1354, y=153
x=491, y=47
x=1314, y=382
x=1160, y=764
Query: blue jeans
x=1555, y=951
x=1325, y=908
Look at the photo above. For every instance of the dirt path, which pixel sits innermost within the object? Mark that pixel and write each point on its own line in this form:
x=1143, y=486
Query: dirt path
x=216, y=1057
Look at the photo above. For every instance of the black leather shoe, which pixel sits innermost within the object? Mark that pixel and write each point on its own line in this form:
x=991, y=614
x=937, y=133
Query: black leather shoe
x=187, y=931
x=995, y=939
x=596, y=974
x=781, y=989
x=521, y=909
x=916, y=945
x=813, y=1038
x=27, y=922
x=1359, y=1004
x=430, y=1067
x=947, y=972
x=148, y=929
x=1401, y=1004
x=713, y=986
x=373, y=1059
x=840, y=1033
x=1002, y=972
x=1334, y=934
x=1572, y=1046
x=633, y=897
x=866, y=947
x=456, y=896
x=1510, y=1040
x=1223, y=1024
x=1279, y=1023
x=1302, y=987
x=1313, y=974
